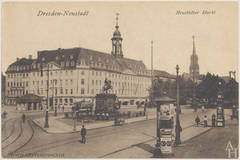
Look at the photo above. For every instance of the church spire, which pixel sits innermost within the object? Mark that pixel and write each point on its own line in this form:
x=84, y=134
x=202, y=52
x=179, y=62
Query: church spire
x=194, y=49
x=117, y=14
x=194, y=67
x=117, y=41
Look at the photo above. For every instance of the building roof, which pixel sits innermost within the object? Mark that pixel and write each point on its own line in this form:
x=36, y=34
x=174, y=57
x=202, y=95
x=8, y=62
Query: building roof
x=226, y=78
x=163, y=74
x=92, y=58
x=108, y=61
x=29, y=98
x=83, y=56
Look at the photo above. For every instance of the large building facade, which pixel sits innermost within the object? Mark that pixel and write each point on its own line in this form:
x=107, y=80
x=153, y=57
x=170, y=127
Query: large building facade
x=3, y=86
x=78, y=74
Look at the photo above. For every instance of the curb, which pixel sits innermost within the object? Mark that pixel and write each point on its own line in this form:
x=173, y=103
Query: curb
x=43, y=129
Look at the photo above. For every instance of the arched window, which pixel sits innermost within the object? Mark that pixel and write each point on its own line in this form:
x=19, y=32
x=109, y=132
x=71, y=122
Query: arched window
x=67, y=63
x=72, y=63
x=38, y=65
x=62, y=64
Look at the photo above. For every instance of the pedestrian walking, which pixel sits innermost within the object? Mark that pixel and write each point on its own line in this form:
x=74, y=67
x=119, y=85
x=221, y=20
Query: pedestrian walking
x=233, y=112
x=205, y=121
x=203, y=109
x=83, y=134
x=213, y=120
x=145, y=107
x=23, y=117
x=139, y=105
x=197, y=120
x=107, y=116
x=4, y=114
x=55, y=111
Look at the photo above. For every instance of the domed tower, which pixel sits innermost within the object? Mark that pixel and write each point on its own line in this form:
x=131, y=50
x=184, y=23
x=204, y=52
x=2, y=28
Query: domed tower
x=194, y=67
x=117, y=41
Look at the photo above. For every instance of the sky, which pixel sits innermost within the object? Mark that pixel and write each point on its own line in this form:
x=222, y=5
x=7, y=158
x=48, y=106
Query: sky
x=216, y=35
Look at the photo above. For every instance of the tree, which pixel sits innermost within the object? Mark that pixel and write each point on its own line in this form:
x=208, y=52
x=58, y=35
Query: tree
x=230, y=92
x=169, y=88
x=209, y=88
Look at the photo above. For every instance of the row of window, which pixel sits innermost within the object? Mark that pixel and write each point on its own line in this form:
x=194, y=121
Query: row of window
x=114, y=75
x=125, y=84
x=19, y=68
x=17, y=75
x=123, y=91
x=94, y=73
x=60, y=101
x=17, y=84
x=113, y=66
x=70, y=91
x=55, y=82
x=17, y=92
x=60, y=91
x=38, y=66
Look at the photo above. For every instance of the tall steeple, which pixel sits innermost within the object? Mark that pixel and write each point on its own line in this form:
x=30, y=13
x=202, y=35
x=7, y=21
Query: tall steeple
x=117, y=41
x=194, y=67
x=194, y=49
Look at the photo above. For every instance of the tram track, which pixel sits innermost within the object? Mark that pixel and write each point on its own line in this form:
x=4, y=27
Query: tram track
x=12, y=130
x=76, y=138
x=19, y=135
x=56, y=144
x=20, y=147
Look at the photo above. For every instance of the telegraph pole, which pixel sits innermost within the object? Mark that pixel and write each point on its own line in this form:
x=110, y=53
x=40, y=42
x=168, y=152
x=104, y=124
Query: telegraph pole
x=152, y=64
x=152, y=97
x=152, y=93
x=46, y=116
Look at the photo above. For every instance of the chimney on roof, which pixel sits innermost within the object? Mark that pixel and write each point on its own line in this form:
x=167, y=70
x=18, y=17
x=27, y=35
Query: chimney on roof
x=30, y=56
x=59, y=50
x=17, y=59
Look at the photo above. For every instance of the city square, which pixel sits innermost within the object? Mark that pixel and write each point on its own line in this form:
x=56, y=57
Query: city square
x=99, y=100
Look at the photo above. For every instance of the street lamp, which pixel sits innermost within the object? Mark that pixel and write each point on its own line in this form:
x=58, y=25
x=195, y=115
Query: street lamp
x=46, y=116
x=74, y=119
x=54, y=98
x=178, y=126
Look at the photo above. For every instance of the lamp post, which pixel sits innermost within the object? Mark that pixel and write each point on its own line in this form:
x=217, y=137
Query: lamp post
x=178, y=126
x=74, y=119
x=53, y=98
x=46, y=116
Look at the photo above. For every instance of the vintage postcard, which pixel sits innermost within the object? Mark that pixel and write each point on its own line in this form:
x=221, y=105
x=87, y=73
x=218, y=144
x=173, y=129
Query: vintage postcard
x=119, y=80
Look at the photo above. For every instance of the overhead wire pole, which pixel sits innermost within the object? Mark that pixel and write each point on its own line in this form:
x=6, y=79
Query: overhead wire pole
x=152, y=91
x=152, y=67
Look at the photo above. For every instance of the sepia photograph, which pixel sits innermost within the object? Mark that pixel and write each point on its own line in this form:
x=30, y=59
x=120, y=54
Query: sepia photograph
x=120, y=79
